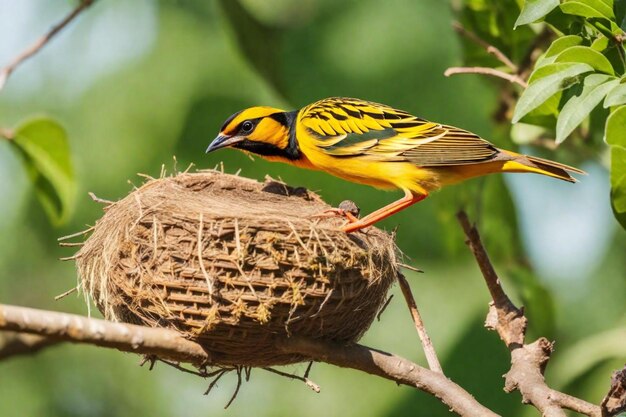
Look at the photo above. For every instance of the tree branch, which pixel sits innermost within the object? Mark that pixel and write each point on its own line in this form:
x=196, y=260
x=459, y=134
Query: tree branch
x=164, y=343
x=528, y=361
x=486, y=71
x=389, y=366
x=615, y=401
x=15, y=344
x=41, y=42
x=169, y=344
x=500, y=56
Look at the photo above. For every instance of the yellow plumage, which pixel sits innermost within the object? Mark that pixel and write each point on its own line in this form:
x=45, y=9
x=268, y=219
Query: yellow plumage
x=377, y=145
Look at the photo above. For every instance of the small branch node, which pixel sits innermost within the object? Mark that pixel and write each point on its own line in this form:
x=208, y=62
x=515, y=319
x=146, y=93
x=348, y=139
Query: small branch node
x=100, y=200
x=500, y=56
x=615, y=401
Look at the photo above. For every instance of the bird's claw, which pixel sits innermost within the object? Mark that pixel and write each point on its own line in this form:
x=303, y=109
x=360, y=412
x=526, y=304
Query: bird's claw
x=340, y=213
x=346, y=209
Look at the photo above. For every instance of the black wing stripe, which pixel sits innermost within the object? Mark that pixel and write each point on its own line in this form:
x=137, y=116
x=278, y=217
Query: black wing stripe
x=384, y=134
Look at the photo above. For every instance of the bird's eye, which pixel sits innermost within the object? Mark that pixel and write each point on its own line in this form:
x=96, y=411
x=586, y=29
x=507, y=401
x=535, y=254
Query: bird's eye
x=247, y=126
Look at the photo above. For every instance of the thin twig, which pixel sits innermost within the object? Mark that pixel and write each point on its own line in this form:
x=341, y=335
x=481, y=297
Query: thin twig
x=177, y=366
x=486, y=71
x=213, y=383
x=148, y=358
x=73, y=235
x=507, y=319
x=500, y=56
x=384, y=307
x=66, y=293
x=304, y=378
x=41, y=42
x=410, y=267
x=427, y=344
x=236, y=389
x=71, y=244
x=99, y=200
x=484, y=263
x=308, y=369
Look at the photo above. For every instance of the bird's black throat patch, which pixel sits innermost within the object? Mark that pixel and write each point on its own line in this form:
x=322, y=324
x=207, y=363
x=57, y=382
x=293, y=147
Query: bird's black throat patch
x=267, y=149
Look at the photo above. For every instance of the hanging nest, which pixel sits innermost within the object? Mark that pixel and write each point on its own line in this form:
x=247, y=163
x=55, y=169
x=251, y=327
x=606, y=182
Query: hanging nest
x=233, y=264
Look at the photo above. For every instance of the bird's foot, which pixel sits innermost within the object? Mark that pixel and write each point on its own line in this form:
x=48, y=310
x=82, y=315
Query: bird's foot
x=346, y=209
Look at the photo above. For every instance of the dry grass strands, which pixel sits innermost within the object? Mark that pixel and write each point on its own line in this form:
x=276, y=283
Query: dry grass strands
x=234, y=264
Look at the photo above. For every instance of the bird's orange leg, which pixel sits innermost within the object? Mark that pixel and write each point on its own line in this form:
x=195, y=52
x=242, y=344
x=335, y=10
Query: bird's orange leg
x=339, y=212
x=408, y=200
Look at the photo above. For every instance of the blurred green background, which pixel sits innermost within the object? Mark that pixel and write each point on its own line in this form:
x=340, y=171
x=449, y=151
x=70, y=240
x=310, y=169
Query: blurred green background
x=136, y=83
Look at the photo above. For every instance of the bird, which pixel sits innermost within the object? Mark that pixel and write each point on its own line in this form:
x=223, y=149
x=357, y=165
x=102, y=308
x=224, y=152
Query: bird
x=377, y=145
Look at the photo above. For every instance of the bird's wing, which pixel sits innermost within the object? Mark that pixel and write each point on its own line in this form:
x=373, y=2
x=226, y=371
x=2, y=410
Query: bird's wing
x=346, y=128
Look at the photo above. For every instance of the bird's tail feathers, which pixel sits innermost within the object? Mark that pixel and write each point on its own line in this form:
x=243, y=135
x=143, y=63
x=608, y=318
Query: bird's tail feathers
x=527, y=163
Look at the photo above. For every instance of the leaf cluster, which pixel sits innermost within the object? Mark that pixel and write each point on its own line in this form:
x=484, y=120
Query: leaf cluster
x=577, y=84
x=583, y=71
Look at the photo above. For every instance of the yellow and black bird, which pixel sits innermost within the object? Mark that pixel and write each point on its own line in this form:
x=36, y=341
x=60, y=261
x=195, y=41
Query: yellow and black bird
x=377, y=145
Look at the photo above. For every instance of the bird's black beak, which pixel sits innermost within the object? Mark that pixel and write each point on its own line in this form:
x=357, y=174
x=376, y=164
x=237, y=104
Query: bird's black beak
x=223, y=141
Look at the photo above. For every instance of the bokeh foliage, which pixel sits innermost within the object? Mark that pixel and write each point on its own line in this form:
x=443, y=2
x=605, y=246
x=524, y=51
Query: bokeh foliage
x=209, y=59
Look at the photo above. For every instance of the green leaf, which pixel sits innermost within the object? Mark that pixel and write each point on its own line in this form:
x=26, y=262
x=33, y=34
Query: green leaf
x=558, y=46
x=44, y=146
x=616, y=96
x=556, y=77
x=588, y=9
x=619, y=8
x=534, y=10
x=545, y=115
x=562, y=24
x=595, y=88
x=614, y=133
x=618, y=184
x=600, y=44
x=602, y=6
x=586, y=55
x=551, y=69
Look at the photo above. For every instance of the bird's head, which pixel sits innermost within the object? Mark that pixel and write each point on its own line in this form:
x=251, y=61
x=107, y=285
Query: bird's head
x=264, y=131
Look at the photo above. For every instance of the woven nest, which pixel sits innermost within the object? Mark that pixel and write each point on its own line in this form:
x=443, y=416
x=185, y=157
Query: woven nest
x=233, y=264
